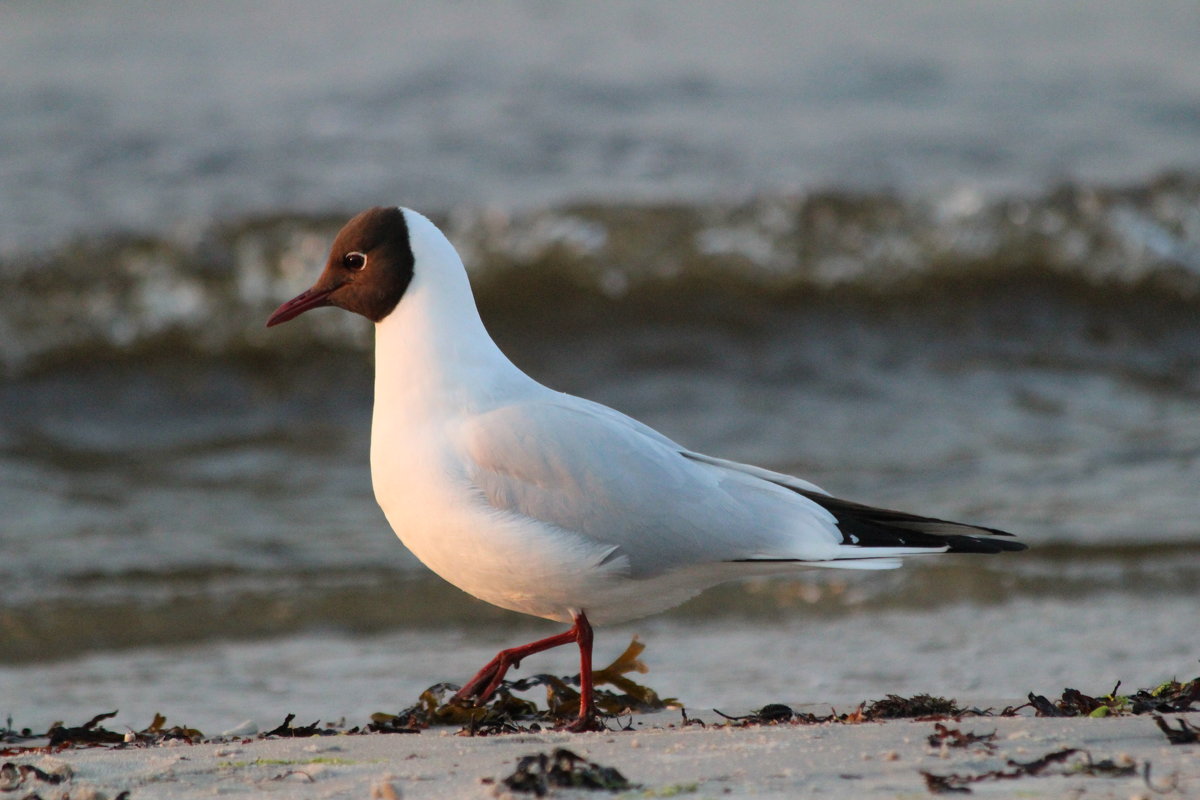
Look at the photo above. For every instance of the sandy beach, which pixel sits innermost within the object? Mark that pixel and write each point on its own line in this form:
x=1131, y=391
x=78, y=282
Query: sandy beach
x=659, y=757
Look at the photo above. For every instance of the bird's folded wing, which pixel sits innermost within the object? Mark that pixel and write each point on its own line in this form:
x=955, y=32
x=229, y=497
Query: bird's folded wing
x=584, y=468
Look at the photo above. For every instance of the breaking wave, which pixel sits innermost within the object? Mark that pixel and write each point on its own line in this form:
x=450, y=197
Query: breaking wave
x=1135, y=247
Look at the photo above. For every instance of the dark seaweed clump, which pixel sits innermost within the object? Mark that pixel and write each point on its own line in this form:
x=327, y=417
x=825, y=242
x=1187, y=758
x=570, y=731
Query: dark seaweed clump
x=919, y=707
x=91, y=734
x=944, y=736
x=1185, y=733
x=1171, y=697
x=508, y=712
x=537, y=774
x=956, y=783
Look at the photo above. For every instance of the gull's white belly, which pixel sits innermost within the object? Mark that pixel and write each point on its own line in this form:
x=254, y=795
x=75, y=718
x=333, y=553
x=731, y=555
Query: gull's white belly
x=505, y=559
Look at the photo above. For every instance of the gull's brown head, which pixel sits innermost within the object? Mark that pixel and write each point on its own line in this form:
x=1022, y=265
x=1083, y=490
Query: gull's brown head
x=369, y=267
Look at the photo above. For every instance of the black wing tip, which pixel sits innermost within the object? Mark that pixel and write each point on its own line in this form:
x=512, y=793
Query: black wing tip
x=974, y=544
x=867, y=527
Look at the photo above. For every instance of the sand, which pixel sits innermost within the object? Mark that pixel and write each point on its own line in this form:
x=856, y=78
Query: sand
x=663, y=759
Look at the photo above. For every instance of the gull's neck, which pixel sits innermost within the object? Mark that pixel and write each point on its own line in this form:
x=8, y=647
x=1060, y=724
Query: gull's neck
x=433, y=356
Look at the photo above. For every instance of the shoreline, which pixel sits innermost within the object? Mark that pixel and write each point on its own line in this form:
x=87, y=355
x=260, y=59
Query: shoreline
x=661, y=757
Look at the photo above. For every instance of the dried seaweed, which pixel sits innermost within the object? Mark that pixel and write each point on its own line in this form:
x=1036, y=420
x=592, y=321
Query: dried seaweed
x=16, y=776
x=956, y=783
x=953, y=737
x=286, y=731
x=436, y=706
x=507, y=712
x=921, y=706
x=1107, y=767
x=1043, y=707
x=13, y=776
x=946, y=784
x=1037, y=766
x=537, y=774
x=915, y=707
x=1171, y=697
x=388, y=723
x=633, y=696
x=1186, y=733
x=89, y=732
x=1074, y=703
x=157, y=732
x=776, y=714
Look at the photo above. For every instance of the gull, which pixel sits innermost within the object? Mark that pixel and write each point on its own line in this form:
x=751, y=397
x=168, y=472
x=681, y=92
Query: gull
x=548, y=504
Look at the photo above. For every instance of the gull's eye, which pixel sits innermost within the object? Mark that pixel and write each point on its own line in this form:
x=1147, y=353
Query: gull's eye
x=354, y=261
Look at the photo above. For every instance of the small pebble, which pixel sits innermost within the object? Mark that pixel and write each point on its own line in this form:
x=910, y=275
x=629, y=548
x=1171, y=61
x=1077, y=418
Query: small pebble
x=891, y=755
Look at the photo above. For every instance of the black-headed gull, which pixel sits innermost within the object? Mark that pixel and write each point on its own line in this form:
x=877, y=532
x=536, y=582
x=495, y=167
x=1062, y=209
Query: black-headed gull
x=552, y=505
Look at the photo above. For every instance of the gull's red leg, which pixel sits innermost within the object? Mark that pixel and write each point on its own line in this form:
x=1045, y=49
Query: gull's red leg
x=484, y=684
x=586, y=721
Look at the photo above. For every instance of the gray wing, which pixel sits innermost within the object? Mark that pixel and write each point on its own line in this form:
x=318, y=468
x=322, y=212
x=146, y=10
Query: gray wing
x=585, y=468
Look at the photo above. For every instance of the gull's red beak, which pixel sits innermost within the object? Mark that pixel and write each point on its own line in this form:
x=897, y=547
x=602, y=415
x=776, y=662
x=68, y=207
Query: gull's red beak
x=306, y=300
